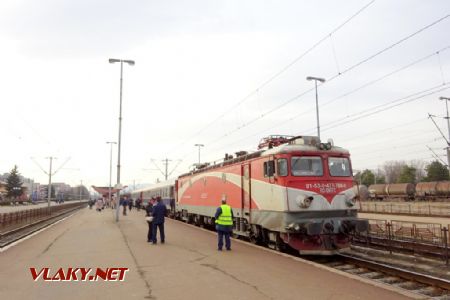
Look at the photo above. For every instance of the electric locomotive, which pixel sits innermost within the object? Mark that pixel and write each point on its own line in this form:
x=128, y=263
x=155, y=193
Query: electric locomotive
x=293, y=191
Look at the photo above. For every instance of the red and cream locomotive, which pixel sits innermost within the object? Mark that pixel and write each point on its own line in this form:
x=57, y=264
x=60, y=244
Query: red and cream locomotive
x=293, y=191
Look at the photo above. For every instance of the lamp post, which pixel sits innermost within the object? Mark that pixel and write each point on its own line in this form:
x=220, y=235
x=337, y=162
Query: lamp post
x=446, y=99
x=131, y=63
x=49, y=192
x=199, y=146
x=110, y=169
x=81, y=186
x=317, y=100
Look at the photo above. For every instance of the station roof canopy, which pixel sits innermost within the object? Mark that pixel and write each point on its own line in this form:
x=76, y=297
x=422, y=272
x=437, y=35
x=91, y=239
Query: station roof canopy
x=104, y=190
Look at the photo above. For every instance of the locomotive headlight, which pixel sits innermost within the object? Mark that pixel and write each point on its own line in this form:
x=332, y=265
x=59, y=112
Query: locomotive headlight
x=325, y=146
x=303, y=201
x=350, y=201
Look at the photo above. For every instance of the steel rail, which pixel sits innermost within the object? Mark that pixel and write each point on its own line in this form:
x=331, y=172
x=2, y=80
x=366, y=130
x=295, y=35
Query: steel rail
x=399, y=272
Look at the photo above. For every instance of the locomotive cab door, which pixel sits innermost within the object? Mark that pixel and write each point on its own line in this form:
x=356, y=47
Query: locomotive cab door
x=246, y=191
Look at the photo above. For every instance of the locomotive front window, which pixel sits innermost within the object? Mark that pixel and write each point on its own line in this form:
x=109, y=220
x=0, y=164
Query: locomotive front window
x=306, y=166
x=339, y=166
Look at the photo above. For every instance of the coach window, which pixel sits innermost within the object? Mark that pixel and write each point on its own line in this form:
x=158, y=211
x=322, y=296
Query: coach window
x=339, y=166
x=282, y=167
x=306, y=166
x=269, y=168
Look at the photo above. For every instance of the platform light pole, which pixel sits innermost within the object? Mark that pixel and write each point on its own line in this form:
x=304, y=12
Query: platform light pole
x=81, y=185
x=322, y=80
x=446, y=99
x=131, y=63
x=49, y=191
x=110, y=169
x=199, y=146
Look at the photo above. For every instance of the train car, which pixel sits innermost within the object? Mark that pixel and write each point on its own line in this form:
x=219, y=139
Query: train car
x=405, y=191
x=401, y=190
x=294, y=191
x=165, y=190
x=361, y=191
x=426, y=190
x=443, y=189
x=377, y=191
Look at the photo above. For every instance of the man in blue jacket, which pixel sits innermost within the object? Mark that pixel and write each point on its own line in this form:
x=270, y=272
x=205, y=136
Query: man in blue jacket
x=224, y=225
x=159, y=213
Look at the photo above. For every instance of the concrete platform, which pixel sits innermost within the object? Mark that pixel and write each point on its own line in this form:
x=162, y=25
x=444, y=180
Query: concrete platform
x=188, y=266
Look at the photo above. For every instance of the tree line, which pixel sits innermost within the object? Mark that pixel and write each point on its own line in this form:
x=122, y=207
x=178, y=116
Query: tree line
x=403, y=172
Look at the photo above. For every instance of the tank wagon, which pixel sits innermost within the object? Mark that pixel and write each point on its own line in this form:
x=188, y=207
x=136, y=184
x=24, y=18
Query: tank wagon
x=293, y=191
x=410, y=191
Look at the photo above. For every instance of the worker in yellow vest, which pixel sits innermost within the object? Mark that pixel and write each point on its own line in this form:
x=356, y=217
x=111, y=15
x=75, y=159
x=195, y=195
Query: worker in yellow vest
x=224, y=225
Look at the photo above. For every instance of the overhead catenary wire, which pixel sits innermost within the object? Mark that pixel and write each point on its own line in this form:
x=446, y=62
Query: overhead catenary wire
x=350, y=92
x=354, y=66
x=279, y=73
x=380, y=108
x=329, y=80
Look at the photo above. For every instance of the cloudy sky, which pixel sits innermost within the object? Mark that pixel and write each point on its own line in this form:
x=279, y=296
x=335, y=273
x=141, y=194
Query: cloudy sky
x=220, y=73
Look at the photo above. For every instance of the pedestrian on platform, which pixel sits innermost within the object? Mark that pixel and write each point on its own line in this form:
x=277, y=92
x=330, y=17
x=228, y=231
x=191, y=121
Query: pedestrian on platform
x=159, y=213
x=138, y=204
x=149, y=218
x=99, y=204
x=125, y=204
x=224, y=225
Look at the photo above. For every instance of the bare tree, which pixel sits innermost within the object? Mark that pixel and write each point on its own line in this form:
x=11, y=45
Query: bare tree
x=392, y=170
x=419, y=165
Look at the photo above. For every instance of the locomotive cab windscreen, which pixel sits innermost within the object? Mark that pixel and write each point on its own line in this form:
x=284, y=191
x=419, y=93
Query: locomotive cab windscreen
x=339, y=166
x=306, y=166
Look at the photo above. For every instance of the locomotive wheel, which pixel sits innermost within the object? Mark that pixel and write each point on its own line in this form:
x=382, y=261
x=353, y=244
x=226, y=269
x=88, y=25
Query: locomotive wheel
x=255, y=235
x=253, y=239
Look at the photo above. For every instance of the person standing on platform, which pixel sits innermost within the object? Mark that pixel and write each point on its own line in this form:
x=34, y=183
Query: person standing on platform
x=138, y=204
x=99, y=204
x=125, y=204
x=149, y=217
x=159, y=213
x=224, y=225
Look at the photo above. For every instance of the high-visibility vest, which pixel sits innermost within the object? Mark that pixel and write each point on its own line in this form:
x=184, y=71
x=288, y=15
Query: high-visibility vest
x=225, y=217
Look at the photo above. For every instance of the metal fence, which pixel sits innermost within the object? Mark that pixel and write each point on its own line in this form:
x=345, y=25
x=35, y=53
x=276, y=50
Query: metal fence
x=418, y=209
x=11, y=220
x=415, y=237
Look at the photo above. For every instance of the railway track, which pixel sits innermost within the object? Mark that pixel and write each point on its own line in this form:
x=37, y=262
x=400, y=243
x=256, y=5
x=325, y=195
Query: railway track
x=426, y=285
x=22, y=230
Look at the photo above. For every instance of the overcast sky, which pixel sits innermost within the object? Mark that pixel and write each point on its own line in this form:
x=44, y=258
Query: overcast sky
x=220, y=73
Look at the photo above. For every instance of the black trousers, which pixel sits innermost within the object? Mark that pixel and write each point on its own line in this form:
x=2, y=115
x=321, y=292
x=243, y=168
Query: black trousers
x=161, y=232
x=150, y=231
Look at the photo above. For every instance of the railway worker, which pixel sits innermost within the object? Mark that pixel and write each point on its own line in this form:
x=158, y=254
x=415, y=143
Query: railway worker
x=159, y=213
x=224, y=225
